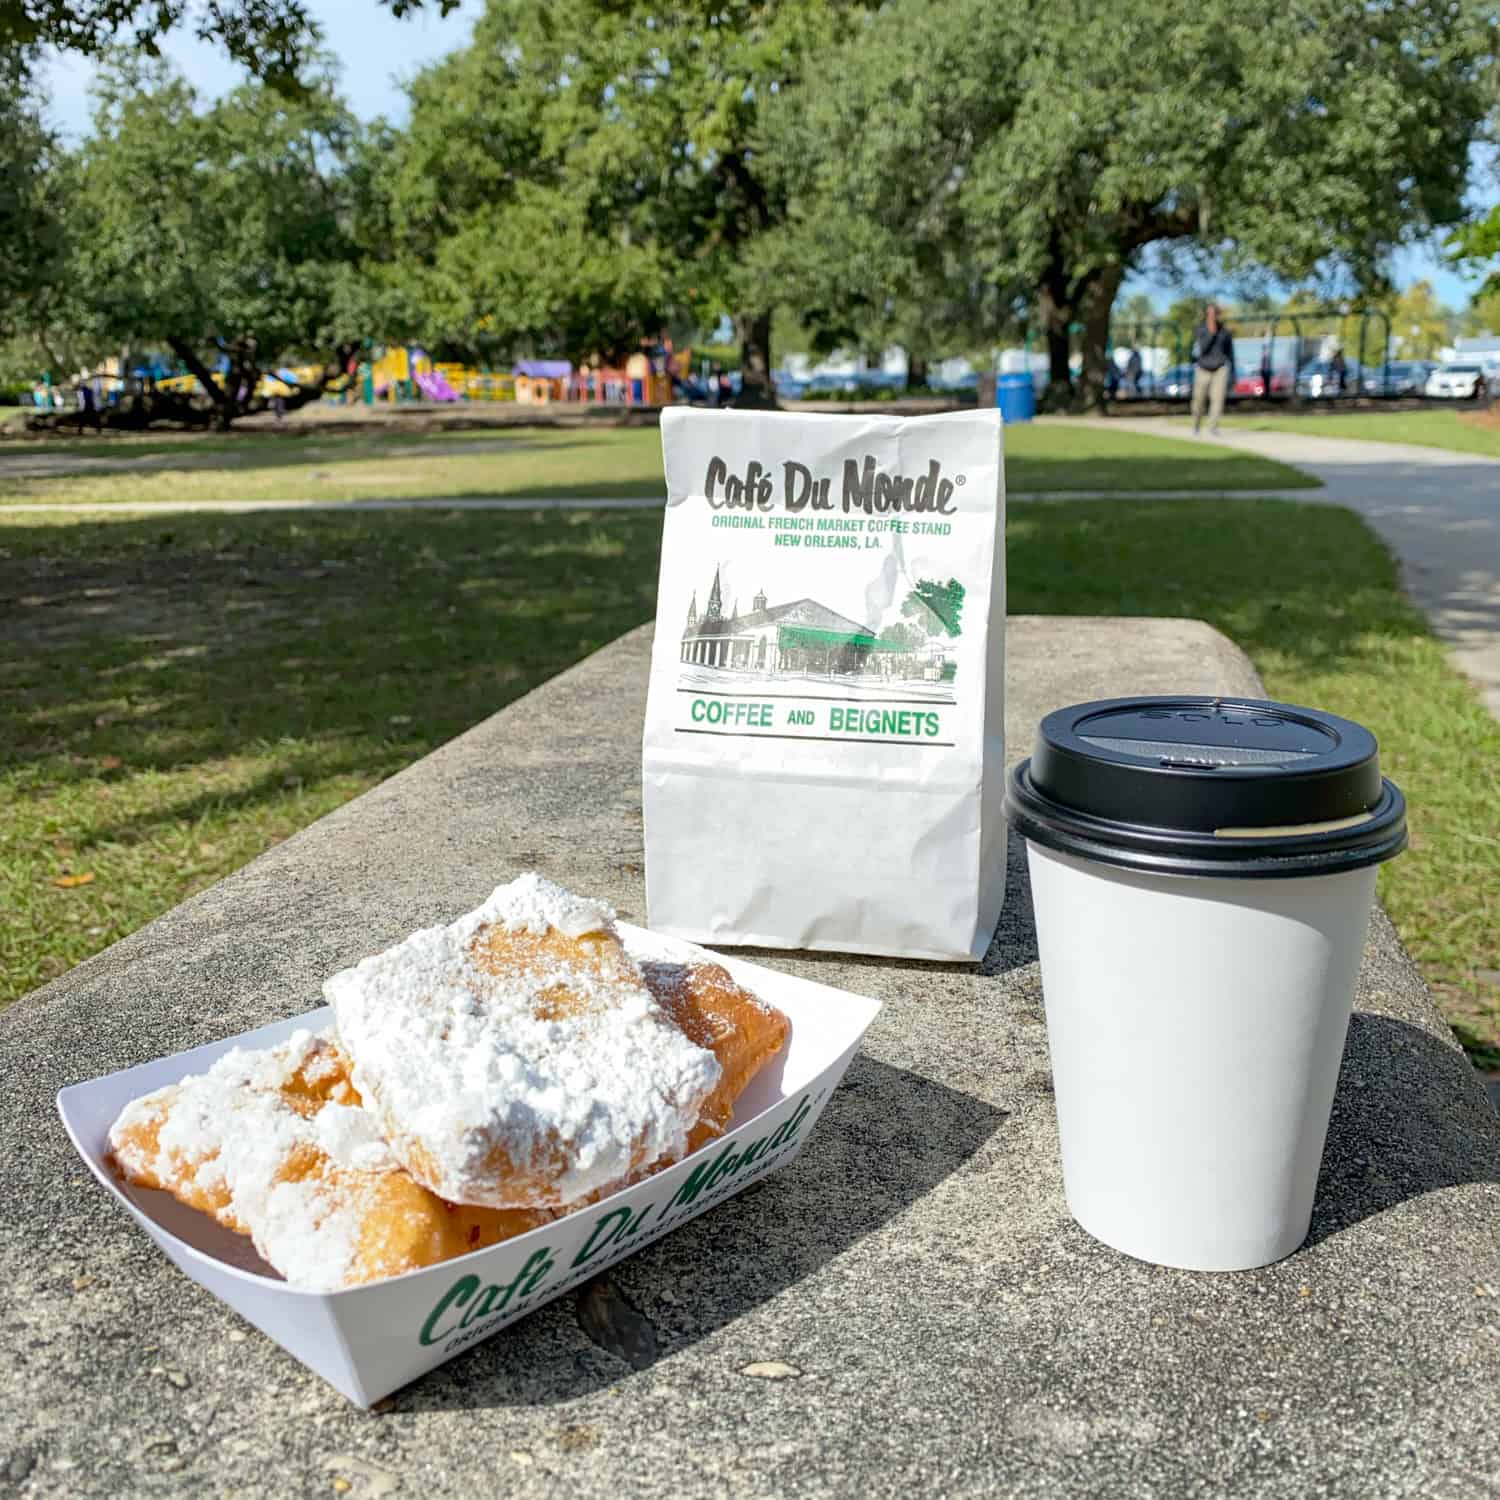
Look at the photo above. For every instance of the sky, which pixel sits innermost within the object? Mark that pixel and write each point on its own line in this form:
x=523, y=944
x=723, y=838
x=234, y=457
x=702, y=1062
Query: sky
x=377, y=52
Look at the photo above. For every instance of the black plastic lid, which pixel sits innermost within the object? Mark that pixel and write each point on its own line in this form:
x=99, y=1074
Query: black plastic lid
x=1208, y=786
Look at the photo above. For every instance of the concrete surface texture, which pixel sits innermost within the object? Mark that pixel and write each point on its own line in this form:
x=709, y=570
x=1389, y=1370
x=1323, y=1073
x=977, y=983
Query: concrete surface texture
x=906, y=1310
x=1438, y=512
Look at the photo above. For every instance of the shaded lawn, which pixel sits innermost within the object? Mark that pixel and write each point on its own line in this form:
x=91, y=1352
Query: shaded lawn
x=378, y=465
x=545, y=463
x=1465, y=431
x=176, y=696
x=250, y=446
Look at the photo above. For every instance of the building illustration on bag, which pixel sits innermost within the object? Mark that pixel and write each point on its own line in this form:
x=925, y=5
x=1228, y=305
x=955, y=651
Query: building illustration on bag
x=807, y=639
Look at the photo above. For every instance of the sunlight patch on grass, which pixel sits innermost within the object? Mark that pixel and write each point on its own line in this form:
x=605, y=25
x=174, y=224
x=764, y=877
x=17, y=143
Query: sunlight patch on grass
x=1458, y=431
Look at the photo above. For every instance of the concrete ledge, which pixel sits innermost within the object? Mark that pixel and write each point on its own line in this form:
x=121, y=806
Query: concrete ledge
x=942, y=1323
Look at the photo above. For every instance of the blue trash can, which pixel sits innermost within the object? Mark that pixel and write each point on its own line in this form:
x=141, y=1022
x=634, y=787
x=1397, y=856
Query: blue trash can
x=1016, y=397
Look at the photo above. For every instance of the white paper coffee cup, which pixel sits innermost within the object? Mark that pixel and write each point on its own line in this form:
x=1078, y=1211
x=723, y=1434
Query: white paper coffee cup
x=1202, y=873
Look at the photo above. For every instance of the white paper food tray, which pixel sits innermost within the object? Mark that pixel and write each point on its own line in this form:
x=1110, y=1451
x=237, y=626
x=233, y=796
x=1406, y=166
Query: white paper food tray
x=367, y=1341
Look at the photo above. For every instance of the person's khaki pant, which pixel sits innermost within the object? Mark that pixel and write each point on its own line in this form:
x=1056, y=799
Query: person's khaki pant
x=1209, y=389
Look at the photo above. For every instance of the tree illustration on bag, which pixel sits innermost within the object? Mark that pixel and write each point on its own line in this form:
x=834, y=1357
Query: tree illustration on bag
x=936, y=607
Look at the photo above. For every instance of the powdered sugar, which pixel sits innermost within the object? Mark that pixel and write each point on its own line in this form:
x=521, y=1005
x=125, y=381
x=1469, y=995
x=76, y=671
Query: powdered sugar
x=351, y=1136
x=532, y=903
x=492, y=1089
x=232, y=1133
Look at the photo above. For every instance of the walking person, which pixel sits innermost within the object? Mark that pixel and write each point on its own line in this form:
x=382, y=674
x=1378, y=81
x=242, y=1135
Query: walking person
x=88, y=407
x=1213, y=367
x=1338, y=371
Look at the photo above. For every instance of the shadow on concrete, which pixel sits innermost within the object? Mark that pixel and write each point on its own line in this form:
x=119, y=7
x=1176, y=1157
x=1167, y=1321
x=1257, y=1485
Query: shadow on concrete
x=1409, y=1118
x=1014, y=946
x=887, y=1139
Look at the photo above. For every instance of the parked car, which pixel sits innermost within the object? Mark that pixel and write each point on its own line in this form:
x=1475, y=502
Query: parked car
x=1402, y=377
x=969, y=382
x=1146, y=388
x=1316, y=381
x=1175, y=385
x=1457, y=382
x=843, y=385
x=1253, y=384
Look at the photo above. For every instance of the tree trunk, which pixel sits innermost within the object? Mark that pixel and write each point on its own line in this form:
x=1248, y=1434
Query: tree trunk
x=223, y=400
x=1057, y=314
x=334, y=369
x=916, y=369
x=244, y=374
x=756, y=390
x=1096, y=301
x=243, y=378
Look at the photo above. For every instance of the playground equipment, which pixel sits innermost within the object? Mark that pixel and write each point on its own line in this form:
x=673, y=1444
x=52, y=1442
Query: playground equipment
x=408, y=373
x=400, y=372
x=542, y=381
x=434, y=386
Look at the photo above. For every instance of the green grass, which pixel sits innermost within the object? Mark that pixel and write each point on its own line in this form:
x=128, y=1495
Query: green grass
x=175, y=696
x=1312, y=596
x=383, y=464
x=1063, y=456
x=1463, y=432
x=377, y=465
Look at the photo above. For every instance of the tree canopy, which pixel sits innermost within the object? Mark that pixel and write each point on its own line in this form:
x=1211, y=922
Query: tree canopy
x=613, y=144
x=942, y=174
x=225, y=232
x=1478, y=244
x=273, y=39
x=1046, y=157
x=30, y=210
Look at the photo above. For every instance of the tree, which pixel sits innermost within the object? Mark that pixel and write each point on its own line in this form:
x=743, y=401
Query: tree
x=481, y=247
x=31, y=231
x=864, y=284
x=1419, y=321
x=1051, y=155
x=274, y=39
x=1137, y=316
x=224, y=233
x=1478, y=245
x=576, y=291
x=1483, y=315
x=635, y=123
x=937, y=607
x=905, y=637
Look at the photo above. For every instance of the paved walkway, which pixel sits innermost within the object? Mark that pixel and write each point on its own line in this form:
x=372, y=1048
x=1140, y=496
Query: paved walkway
x=1438, y=511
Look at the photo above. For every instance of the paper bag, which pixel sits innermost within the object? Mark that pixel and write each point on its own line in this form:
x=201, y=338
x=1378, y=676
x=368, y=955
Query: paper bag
x=824, y=743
